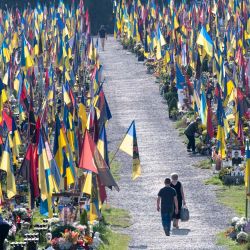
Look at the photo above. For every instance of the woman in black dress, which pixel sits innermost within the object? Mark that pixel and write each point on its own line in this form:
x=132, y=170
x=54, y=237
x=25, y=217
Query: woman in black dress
x=180, y=197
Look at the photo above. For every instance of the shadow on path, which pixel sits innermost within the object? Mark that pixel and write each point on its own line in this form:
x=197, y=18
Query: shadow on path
x=138, y=247
x=182, y=231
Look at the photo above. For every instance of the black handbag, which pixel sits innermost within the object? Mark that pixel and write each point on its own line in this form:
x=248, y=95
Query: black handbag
x=184, y=214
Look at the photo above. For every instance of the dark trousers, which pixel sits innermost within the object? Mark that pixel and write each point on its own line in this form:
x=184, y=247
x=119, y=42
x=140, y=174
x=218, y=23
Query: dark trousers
x=191, y=142
x=166, y=221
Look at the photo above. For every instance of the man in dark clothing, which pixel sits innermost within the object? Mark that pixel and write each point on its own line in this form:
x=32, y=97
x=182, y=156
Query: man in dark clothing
x=168, y=199
x=102, y=35
x=190, y=131
x=4, y=229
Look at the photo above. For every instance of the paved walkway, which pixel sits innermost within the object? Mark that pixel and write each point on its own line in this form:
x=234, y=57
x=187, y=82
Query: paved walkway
x=133, y=94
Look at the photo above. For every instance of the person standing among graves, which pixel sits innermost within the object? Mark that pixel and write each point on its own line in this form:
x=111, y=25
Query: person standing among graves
x=190, y=132
x=103, y=35
x=166, y=202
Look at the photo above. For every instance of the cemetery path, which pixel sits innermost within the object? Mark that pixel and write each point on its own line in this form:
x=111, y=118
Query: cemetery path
x=133, y=95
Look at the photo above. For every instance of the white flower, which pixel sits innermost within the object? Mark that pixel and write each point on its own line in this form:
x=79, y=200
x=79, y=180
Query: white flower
x=235, y=220
x=242, y=236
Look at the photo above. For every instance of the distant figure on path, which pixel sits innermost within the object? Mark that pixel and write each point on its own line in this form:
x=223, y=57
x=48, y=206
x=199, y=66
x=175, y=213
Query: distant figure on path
x=180, y=197
x=190, y=132
x=103, y=35
x=167, y=198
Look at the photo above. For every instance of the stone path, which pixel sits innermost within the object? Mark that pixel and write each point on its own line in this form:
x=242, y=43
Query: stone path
x=133, y=94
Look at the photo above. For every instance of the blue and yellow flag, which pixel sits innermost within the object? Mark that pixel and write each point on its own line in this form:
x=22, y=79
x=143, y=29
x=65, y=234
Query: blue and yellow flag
x=247, y=170
x=6, y=165
x=102, y=145
x=129, y=145
x=205, y=40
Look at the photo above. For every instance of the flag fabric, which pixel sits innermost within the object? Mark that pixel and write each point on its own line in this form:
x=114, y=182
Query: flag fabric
x=247, y=170
x=87, y=155
x=205, y=40
x=59, y=144
x=6, y=165
x=82, y=114
x=180, y=79
x=129, y=145
x=203, y=108
x=87, y=187
x=46, y=184
x=28, y=171
x=102, y=145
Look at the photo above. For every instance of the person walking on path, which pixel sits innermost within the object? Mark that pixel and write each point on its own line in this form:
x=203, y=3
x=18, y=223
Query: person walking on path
x=103, y=35
x=190, y=132
x=167, y=198
x=180, y=198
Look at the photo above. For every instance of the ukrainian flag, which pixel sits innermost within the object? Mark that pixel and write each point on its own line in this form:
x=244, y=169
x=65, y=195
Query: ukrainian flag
x=247, y=170
x=203, y=108
x=6, y=165
x=5, y=52
x=59, y=144
x=46, y=183
x=129, y=145
x=205, y=40
x=102, y=145
x=66, y=97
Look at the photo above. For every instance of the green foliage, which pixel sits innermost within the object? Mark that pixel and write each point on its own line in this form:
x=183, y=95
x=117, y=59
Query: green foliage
x=224, y=171
x=214, y=180
x=116, y=217
x=114, y=241
x=37, y=218
x=57, y=232
x=222, y=240
x=233, y=197
x=100, y=11
x=180, y=124
x=84, y=218
x=113, y=217
x=100, y=14
x=204, y=164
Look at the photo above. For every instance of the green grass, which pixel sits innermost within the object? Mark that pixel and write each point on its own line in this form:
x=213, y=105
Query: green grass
x=113, y=218
x=204, y=164
x=214, y=180
x=233, y=197
x=180, y=124
x=113, y=240
x=222, y=240
x=116, y=217
x=115, y=167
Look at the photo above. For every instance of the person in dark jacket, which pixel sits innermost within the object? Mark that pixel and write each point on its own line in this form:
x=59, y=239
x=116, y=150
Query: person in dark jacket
x=190, y=132
x=4, y=229
x=103, y=35
x=167, y=203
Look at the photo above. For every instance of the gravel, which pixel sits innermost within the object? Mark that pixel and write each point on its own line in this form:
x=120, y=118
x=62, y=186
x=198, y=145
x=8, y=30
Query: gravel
x=133, y=95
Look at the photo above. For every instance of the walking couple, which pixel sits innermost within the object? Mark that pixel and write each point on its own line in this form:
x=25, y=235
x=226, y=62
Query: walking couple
x=169, y=202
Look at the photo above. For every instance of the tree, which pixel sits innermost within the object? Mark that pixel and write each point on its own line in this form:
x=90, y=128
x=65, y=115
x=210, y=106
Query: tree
x=100, y=14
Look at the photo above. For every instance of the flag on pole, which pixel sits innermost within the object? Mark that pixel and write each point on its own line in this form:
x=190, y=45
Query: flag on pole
x=205, y=40
x=247, y=171
x=6, y=165
x=129, y=145
x=88, y=183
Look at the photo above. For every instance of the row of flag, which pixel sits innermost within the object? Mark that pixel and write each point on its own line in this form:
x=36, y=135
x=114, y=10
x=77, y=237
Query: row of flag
x=53, y=109
x=190, y=36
